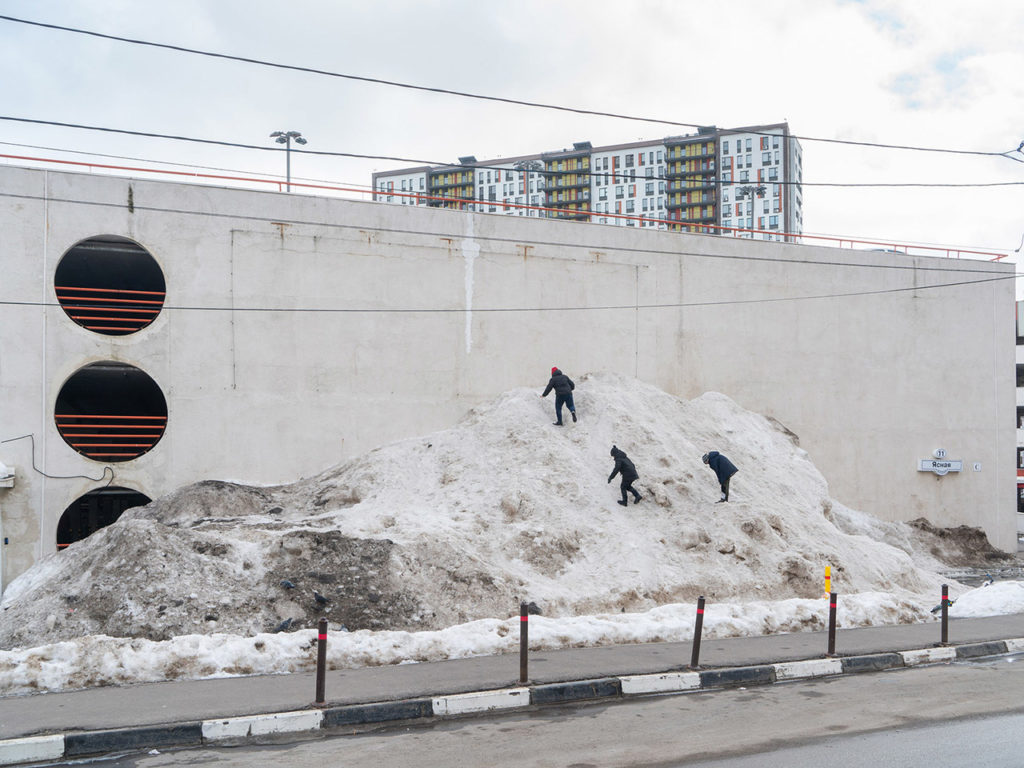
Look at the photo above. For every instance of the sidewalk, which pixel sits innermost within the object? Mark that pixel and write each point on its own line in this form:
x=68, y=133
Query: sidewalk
x=187, y=702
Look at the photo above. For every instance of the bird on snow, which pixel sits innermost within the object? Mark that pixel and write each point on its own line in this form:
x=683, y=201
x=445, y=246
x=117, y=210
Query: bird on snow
x=287, y=584
x=283, y=626
x=319, y=598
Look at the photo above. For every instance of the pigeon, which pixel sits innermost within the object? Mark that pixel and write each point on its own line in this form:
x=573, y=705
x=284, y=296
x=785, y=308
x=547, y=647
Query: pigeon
x=283, y=626
x=287, y=584
x=319, y=598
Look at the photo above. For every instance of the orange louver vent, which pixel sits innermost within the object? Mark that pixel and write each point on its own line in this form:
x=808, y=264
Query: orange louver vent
x=108, y=437
x=110, y=311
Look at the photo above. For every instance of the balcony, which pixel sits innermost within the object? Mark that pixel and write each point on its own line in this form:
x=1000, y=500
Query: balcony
x=436, y=185
x=680, y=186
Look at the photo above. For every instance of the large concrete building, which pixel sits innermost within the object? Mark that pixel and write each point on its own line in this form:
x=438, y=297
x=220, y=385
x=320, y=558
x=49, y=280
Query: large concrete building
x=153, y=334
x=744, y=182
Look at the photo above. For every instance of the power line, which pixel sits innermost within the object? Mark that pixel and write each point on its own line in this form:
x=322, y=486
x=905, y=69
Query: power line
x=496, y=166
x=455, y=236
x=468, y=95
x=176, y=164
x=523, y=310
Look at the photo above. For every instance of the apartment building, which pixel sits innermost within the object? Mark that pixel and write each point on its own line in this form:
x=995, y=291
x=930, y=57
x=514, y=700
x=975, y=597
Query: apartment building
x=744, y=182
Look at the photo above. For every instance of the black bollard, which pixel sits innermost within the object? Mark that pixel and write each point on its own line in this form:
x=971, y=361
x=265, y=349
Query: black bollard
x=831, y=623
x=698, y=627
x=321, y=663
x=945, y=615
x=524, y=641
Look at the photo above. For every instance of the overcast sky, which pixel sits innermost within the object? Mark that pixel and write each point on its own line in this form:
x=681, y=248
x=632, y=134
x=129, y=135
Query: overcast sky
x=937, y=74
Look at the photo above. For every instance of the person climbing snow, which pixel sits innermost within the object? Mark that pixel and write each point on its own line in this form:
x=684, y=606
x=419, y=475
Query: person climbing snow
x=723, y=468
x=563, y=387
x=625, y=468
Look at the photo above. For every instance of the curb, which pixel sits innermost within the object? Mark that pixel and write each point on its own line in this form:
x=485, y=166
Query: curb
x=254, y=728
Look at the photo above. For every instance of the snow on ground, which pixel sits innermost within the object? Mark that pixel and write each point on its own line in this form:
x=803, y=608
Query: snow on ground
x=422, y=549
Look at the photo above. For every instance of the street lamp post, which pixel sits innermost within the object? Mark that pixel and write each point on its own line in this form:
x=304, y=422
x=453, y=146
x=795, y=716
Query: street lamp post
x=286, y=138
x=526, y=166
x=753, y=191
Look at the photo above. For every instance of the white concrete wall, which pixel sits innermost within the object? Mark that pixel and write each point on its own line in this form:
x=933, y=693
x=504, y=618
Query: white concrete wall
x=870, y=383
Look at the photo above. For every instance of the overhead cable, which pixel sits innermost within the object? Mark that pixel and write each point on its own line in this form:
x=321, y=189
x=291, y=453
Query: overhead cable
x=468, y=95
x=497, y=165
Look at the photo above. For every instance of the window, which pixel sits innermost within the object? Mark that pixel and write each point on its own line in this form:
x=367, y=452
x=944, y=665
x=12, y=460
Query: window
x=744, y=175
x=661, y=187
x=602, y=193
x=727, y=210
x=1020, y=375
x=773, y=222
x=766, y=158
x=764, y=142
x=749, y=144
x=645, y=204
x=749, y=161
x=421, y=182
x=659, y=155
x=725, y=147
x=650, y=172
x=632, y=190
x=649, y=188
x=618, y=191
x=773, y=173
x=775, y=142
x=630, y=206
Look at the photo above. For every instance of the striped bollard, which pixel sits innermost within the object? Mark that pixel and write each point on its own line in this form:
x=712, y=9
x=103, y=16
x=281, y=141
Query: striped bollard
x=524, y=641
x=945, y=615
x=698, y=627
x=321, y=663
x=831, y=623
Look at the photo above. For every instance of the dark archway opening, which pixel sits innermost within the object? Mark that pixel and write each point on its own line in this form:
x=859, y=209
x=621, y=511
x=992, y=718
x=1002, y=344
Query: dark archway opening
x=111, y=412
x=96, y=509
x=110, y=285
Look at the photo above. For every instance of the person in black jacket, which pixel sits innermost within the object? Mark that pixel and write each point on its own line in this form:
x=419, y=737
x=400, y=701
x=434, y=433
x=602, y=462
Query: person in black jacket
x=625, y=468
x=563, y=387
x=723, y=468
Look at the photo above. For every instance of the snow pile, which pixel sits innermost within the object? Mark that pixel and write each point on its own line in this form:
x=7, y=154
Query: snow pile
x=422, y=548
x=995, y=599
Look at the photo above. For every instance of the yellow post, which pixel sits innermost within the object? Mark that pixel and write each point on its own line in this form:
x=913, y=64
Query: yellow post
x=828, y=580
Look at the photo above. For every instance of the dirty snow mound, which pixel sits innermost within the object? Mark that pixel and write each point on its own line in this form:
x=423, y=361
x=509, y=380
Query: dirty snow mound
x=462, y=524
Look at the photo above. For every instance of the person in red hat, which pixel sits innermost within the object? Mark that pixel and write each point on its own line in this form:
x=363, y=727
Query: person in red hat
x=563, y=387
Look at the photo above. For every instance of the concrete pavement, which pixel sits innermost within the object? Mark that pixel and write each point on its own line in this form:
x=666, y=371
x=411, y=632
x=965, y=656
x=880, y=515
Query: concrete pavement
x=232, y=709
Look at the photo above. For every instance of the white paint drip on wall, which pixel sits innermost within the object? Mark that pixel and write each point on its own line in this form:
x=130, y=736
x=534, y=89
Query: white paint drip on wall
x=470, y=250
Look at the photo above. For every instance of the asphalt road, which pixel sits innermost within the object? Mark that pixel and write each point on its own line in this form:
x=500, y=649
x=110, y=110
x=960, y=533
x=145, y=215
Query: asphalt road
x=904, y=718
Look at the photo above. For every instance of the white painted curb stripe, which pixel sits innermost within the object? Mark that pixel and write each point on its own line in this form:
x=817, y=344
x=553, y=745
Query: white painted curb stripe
x=481, y=701
x=260, y=725
x=928, y=656
x=32, y=749
x=1015, y=645
x=671, y=681
x=792, y=670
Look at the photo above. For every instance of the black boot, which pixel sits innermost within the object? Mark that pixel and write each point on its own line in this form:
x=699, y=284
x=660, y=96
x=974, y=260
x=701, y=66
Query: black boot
x=636, y=499
x=623, y=503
